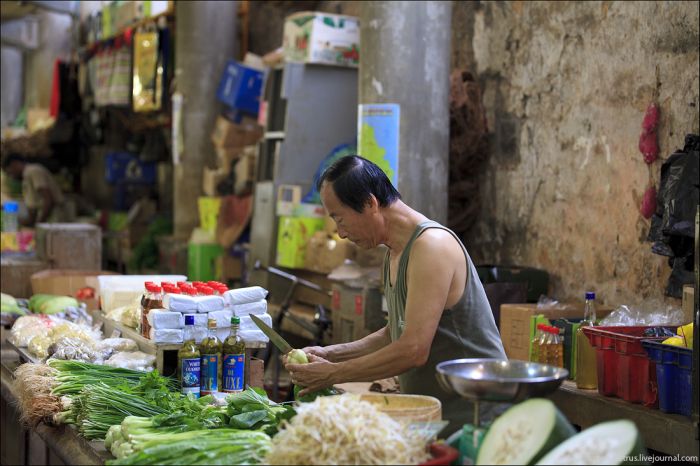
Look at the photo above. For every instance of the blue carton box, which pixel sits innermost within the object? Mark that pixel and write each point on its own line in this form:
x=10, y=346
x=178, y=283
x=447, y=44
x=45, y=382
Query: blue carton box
x=124, y=166
x=240, y=87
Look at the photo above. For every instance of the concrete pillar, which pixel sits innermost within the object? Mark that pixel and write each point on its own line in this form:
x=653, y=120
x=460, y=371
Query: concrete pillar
x=205, y=37
x=408, y=63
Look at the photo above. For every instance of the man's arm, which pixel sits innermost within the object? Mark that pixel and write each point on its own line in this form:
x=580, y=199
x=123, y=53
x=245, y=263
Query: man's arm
x=354, y=349
x=428, y=287
x=46, y=205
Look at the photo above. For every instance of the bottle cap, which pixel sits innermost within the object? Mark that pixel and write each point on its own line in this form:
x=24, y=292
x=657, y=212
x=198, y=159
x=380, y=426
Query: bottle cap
x=211, y=323
x=235, y=320
x=189, y=320
x=555, y=330
x=590, y=295
x=206, y=290
x=10, y=207
x=181, y=284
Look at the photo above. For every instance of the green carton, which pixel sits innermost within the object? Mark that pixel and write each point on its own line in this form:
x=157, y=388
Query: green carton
x=201, y=261
x=292, y=236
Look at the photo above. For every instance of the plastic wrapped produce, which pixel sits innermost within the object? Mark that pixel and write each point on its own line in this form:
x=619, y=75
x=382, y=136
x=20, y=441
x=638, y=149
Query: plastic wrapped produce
x=39, y=345
x=117, y=344
x=27, y=327
x=75, y=349
x=135, y=360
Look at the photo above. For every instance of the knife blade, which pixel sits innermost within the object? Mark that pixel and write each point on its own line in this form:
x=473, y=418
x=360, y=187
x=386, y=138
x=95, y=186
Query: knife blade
x=274, y=337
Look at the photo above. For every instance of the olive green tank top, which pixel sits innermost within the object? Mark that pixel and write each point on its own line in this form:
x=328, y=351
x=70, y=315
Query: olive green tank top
x=466, y=330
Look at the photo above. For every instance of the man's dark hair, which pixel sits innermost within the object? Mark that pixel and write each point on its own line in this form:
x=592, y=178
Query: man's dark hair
x=355, y=179
x=9, y=158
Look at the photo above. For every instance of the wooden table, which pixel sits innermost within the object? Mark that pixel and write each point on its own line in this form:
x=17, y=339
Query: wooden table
x=671, y=434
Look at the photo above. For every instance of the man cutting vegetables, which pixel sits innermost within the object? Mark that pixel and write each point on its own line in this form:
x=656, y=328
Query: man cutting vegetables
x=438, y=309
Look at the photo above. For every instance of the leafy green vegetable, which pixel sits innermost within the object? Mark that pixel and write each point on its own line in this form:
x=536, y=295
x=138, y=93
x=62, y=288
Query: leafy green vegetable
x=248, y=420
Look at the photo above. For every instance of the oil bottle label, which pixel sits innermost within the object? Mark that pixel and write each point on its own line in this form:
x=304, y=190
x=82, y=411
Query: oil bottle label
x=191, y=371
x=233, y=372
x=210, y=374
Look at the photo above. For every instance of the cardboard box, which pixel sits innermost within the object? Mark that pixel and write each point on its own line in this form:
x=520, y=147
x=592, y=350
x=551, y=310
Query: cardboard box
x=316, y=37
x=229, y=134
x=688, y=303
x=208, y=212
x=226, y=157
x=293, y=235
x=356, y=312
x=245, y=172
x=68, y=282
x=325, y=252
x=515, y=325
x=229, y=268
x=240, y=87
x=16, y=273
x=211, y=180
x=69, y=245
x=288, y=196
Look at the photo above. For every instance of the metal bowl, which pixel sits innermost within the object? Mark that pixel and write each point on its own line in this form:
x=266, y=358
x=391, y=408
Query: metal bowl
x=499, y=379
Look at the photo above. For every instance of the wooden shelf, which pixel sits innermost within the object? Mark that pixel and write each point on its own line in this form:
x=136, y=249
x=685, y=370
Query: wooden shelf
x=671, y=434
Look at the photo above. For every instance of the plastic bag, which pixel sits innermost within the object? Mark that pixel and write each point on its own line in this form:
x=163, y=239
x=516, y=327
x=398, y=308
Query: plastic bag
x=673, y=225
x=27, y=327
x=647, y=315
x=132, y=360
x=545, y=302
x=75, y=349
x=127, y=315
x=117, y=344
x=39, y=346
x=80, y=332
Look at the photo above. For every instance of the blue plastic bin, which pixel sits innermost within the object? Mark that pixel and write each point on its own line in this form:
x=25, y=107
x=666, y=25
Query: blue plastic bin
x=673, y=374
x=124, y=166
x=240, y=87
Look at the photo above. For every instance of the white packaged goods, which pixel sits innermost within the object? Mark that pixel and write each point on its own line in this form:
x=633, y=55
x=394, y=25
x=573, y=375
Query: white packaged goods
x=166, y=335
x=253, y=336
x=257, y=308
x=120, y=290
x=245, y=295
x=223, y=318
x=162, y=318
x=180, y=303
x=209, y=303
x=200, y=333
x=135, y=360
x=248, y=324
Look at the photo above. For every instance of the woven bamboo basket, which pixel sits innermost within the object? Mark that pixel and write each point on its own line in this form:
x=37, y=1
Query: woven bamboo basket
x=410, y=408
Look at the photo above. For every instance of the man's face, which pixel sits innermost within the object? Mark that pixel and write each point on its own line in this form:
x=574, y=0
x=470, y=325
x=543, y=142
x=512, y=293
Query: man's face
x=14, y=170
x=357, y=227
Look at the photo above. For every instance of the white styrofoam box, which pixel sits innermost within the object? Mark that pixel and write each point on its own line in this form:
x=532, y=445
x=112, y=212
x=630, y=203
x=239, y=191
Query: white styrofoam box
x=257, y=308
x=166, y=335
x=245, y=295
x=163, y=318
x=121, y=290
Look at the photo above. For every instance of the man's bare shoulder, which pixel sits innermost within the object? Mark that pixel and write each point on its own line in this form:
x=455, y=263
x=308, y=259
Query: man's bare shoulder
x=437, y=244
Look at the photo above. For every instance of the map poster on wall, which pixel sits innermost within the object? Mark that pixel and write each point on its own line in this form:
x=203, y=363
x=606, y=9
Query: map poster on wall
x=378, y=136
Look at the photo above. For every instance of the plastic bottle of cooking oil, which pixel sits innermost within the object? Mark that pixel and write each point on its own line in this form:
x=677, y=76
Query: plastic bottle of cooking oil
x=556, y=348
x=543, y=345
x=586, y=366
x=535, y=354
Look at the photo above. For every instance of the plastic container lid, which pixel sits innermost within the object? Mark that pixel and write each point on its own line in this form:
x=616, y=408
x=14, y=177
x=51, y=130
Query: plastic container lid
x=590, y=295
x=189, y=320
x=10, y=207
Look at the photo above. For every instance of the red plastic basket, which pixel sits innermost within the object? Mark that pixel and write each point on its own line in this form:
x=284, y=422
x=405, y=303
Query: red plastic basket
x=624, y=368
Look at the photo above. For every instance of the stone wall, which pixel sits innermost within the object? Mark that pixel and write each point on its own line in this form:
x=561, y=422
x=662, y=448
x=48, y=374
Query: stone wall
x=565, y=86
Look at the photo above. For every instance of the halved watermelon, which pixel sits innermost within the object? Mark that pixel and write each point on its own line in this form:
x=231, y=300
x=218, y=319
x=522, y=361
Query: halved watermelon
x=524, y=433
x=614, y=442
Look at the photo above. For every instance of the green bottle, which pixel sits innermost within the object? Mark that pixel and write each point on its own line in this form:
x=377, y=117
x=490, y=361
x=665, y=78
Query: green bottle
x=210, y=349
x=234, y=359
x=189, y=361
